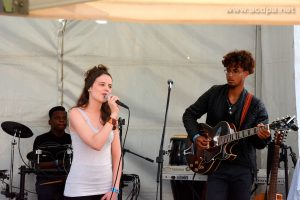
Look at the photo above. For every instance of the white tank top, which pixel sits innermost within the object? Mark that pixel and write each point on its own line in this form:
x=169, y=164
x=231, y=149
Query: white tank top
x=91, y=170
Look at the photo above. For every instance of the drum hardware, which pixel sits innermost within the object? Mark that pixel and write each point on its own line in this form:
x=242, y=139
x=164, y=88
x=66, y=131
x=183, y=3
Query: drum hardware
x=135, y=182
x=52, y=182
x=3, y=174
x=70, y=153
x=22, y=195
x=16, y=130
x=38, y=152
x=51, y=158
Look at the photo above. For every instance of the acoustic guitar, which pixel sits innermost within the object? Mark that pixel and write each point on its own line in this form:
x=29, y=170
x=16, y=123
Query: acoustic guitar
x=223, y=138
x=272, y=193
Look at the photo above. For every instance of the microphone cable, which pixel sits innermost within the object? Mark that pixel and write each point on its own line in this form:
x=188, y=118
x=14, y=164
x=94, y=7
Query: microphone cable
x=121, y=156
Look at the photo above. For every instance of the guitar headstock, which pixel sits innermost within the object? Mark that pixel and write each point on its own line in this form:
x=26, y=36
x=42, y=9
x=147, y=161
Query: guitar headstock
x=284, y=124
x=278, y=137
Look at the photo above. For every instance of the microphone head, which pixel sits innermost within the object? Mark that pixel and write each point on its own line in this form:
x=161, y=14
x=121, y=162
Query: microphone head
x=118, y=102
x=170, y=81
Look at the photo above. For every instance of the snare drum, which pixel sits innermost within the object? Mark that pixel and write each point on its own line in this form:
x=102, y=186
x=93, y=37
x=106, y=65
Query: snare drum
x=37, y=156
x=51, y=157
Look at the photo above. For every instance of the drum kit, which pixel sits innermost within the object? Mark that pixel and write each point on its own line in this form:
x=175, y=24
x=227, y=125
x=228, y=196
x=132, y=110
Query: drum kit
x=19, y=131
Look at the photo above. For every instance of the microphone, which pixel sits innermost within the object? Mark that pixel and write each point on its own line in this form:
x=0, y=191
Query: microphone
x=170, y=83
x=118, y=102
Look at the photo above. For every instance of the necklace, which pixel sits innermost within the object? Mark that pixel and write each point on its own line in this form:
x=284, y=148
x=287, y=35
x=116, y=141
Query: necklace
x=230, y=107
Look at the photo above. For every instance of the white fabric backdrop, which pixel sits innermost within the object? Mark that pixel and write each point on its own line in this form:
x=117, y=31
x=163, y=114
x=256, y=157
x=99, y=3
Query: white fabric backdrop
x=278, y=72
x=42, y=65
x=294, y=192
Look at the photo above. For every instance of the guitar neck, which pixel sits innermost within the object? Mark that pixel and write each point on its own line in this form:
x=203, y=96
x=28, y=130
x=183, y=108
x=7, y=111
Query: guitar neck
x=274, y=174
x=238, y=135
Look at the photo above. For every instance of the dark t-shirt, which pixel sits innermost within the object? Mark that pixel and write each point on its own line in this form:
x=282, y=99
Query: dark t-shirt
x=52, y=148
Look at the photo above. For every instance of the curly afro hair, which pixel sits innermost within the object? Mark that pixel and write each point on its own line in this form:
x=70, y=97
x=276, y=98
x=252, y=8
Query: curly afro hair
x=241, y=59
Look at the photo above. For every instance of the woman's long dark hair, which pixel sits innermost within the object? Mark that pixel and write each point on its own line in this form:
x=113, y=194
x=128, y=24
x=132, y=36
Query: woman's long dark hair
x=90, y=77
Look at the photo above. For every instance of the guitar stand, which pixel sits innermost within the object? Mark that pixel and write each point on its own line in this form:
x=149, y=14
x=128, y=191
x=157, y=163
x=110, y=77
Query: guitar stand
x=284, y=158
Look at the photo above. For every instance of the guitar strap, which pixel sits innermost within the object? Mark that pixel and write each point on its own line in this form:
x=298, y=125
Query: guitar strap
x=246, y=107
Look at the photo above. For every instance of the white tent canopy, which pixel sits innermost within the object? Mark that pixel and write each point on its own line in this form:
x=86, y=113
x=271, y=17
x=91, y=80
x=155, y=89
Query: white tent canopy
x=42, y=63
x=167, y=11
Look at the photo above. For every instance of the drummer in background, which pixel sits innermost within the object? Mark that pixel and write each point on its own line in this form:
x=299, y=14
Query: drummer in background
x=52, y=147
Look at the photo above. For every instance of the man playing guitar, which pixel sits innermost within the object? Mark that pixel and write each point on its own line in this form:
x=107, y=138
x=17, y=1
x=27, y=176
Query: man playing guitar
x=232, y=178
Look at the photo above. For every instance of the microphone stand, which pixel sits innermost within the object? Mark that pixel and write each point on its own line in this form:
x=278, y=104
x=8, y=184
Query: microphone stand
x=121, y=122
x=127, y=150
x=124, y=150
x=160, y=158
x=11, y=194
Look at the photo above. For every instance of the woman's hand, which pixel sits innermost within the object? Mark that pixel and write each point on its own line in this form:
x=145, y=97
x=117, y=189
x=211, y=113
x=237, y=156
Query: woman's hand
x=113, y=106
x=110, y=195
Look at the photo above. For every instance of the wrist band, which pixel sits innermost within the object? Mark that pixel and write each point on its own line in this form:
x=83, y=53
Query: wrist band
x=195, y=137
x=113, y=122
x=115, y=190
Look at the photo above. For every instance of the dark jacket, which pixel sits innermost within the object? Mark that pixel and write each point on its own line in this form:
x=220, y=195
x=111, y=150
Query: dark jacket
x=214, y=103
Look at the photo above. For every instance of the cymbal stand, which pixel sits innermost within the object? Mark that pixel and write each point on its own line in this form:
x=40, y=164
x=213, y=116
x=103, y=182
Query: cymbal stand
x=12, y=195
x=22, y=195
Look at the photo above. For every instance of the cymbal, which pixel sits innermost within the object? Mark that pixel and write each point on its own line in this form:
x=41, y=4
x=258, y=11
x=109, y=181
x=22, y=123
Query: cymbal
x=15, y=128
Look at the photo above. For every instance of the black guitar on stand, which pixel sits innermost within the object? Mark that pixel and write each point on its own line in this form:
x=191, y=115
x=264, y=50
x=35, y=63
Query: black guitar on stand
x=224, y=137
